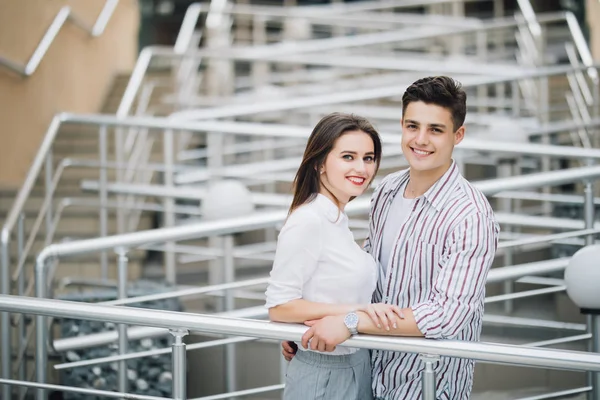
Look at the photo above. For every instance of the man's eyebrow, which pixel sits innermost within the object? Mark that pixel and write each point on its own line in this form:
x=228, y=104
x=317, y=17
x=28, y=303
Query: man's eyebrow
x=411, y=121
x=438, y=125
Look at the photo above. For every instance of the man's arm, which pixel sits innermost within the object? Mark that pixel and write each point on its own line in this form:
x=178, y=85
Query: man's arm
x=458, y=293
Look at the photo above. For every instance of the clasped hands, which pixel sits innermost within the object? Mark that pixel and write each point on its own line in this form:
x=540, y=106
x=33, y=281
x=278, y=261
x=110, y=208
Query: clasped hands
x=326, y=333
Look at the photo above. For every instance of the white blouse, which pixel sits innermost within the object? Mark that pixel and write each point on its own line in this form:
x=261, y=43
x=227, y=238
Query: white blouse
x=318, y=260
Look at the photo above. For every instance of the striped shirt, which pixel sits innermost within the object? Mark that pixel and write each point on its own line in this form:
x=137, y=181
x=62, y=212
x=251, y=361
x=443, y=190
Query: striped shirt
x=438, y=267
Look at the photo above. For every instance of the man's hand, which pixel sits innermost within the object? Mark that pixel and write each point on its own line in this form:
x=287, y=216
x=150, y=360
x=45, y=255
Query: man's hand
x=325, y=334
x=288, y=349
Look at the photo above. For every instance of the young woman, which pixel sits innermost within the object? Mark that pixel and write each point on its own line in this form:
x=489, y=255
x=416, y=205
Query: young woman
x=319, y=270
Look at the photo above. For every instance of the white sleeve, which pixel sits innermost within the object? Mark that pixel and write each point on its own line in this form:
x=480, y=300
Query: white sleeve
x=296, y=257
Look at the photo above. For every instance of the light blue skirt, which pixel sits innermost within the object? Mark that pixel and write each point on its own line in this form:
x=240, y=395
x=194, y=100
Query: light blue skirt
x=317, y=376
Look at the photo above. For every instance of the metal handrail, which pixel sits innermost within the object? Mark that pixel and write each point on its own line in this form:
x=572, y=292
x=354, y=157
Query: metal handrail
x=496, y=353
x=64, y=14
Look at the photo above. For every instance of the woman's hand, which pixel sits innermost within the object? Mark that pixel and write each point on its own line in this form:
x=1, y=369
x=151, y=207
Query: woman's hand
x=384, y=316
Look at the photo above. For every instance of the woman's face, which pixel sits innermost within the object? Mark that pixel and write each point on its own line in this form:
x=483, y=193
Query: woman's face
x=349, y=166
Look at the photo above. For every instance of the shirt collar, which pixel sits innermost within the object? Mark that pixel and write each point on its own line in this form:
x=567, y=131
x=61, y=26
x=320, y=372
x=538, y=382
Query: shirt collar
x=437, y=194
x=333, y=213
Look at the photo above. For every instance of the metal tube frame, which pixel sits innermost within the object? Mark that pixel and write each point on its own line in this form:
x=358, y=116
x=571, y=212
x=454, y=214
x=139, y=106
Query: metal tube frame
x=179, y=364
x=122, y=328
x=428, y=379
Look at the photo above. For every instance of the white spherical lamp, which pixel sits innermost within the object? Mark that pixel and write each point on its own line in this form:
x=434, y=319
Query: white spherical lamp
x=227, y=199
x=582, y=278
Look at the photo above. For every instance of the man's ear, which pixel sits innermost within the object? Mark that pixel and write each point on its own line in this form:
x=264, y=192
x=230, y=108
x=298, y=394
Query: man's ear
x=459, y=135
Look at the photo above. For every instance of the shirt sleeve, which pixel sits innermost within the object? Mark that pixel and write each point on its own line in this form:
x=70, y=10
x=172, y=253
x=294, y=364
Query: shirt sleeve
x=367, y=245
x=459, y=290
x=296, y=258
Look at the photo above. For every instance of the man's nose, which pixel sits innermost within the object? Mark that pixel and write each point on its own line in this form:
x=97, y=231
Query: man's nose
x=422, y=136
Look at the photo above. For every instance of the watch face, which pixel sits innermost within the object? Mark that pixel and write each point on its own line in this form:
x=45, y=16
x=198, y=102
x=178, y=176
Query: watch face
x=351, y=320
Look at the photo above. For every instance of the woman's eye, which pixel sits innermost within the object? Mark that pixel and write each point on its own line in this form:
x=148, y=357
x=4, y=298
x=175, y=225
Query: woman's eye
x=369, y=159
x=347, y=157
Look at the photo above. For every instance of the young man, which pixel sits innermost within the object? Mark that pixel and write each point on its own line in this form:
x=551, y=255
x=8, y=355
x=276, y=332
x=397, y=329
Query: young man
x=435, y=237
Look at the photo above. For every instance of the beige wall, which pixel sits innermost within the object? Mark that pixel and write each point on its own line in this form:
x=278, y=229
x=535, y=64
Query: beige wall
x=593, y=20
x=73, y=76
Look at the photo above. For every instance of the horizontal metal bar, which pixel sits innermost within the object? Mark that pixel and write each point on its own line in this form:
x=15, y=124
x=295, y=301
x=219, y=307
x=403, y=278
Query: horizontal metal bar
x=496, y=353
x=531, y=322
x=547, y=238
x=141, y=332
x=502, y=274
x=524, y=294
x=93, y=392
x=556, y=198
x=191, y=193
x=149, y=353
x=241, y=393
x=538, y=280
x=568, y=339
x=559, y=395
x=187, y=292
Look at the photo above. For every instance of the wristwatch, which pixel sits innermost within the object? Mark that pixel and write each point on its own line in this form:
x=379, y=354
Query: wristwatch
x=351, y=322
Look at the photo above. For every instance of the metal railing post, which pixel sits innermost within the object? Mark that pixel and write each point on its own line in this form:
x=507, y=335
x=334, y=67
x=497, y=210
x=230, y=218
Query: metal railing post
x=5, y=337
x=229, y=276
x=588, y=215
x=179, y=364
x=41, y=328
x=103, y=194
x=428, y=378
x=49, y=191
x=169, y=205
x=122, y=328
x=595, y=347
x=21, y=329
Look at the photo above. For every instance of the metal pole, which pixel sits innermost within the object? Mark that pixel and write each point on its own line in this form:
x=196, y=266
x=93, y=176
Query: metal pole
x=595, y=347
x=588, y=216
x=229, y=275
x=5, y=340
x=41, y=330
x=505, y=169
x=49, y=193
x=516, y=99
x=22, y=329
x=103, y=194
x=588, y=211
x=122, y=328
x=428, y=378
x=169, y=205
x=179, y=364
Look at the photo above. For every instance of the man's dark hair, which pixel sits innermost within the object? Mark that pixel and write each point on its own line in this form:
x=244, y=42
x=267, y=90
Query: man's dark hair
x=442, y=91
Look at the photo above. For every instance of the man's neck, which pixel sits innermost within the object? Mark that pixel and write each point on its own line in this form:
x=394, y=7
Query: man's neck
x=420, y=182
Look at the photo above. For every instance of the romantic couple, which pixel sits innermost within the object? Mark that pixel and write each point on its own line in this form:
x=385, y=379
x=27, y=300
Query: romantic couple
x=422, y=271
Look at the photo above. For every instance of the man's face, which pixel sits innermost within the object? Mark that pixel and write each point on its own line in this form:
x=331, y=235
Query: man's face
x=428, y=137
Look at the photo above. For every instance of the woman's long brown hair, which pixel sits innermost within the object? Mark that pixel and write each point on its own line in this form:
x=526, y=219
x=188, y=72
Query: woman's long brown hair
x=320, y=143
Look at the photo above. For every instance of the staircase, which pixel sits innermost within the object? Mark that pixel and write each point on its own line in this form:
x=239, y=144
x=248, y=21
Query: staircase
x=76, y=221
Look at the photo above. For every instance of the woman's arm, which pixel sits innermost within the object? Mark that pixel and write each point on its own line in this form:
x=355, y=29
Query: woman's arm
x=301, y=310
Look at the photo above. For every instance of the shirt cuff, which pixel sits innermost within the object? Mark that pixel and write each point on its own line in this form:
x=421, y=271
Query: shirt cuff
x=427, y=320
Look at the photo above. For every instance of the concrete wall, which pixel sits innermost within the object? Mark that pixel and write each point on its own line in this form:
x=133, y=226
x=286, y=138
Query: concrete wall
x=73, y=76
